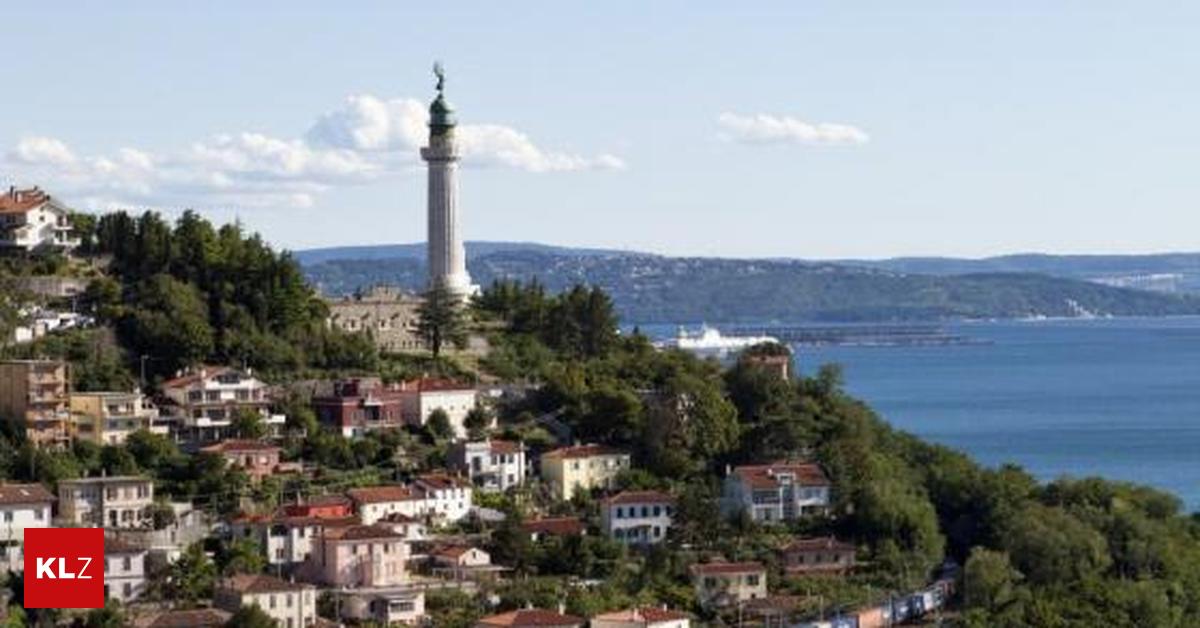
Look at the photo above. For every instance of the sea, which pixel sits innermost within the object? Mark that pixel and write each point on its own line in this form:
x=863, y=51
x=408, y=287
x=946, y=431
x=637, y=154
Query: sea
x=1116, y=398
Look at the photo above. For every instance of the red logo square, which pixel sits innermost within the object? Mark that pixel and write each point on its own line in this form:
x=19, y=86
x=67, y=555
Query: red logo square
x=64, y=568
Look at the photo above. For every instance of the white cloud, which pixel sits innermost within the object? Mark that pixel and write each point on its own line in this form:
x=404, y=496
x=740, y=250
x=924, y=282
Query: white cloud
x=42, y=150
x=768, y=129
x=363, y=140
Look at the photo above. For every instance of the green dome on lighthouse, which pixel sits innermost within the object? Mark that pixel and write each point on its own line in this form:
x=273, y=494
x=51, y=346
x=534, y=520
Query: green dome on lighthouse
x=441, y=112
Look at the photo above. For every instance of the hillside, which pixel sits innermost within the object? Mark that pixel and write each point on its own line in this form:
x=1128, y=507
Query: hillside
x=649, y=288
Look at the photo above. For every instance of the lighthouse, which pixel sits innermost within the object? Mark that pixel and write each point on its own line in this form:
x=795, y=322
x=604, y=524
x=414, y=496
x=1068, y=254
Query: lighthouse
x=447, y=258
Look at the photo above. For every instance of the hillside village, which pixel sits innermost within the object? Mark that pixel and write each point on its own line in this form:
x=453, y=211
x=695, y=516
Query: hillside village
x=461, y=493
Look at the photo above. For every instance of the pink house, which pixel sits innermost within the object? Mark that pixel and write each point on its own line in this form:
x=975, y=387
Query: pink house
x=358, y=556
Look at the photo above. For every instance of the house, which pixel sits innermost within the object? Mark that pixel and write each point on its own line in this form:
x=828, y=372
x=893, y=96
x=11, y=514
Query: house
x=31, y=219
x=411, y=528
x=642, y=617
x=358, y=556
x=287, y=540
x=492, y=465
x=637, y=517
x=386, y=314
x=723, y=584
x=539, y=529
x=445, y=497
x=205, y=401
x=21, y=506
x=779, y=365
x=462, y=561
x=112, y=502
x=35, y=395
x=193, y=618
x=435, y=496
x=782, y=491
x=290, y=604
x=257, y=459
x=388, y=607
x=188, y=525
x=421, y=397
x=374, y=503
x=530, y=618
x=583, y=467
x=818, y=555
x=359, y=405
x=108, y=418
x=37, y=322
x=124, y=570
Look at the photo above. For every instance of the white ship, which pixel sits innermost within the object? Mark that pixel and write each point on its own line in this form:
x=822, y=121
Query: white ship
x=709, y=342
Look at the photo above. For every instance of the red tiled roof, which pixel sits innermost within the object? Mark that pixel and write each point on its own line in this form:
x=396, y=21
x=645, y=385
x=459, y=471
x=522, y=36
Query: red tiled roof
x=646, y=614
x=727, y=568
x=430, y=384
x=824, y=543
x=531, y=617
x=556, y=526
x=24, y=494
x=196, y=618
x=361, y=533
x=453, y=551
x=766, y=475
x=641, y=497
x=195, y=376
x=582, y=451
x=381, y=494
x=439, y=481
x=505, y=447
x=258, y=583
x=240, y=445
x=20, y=201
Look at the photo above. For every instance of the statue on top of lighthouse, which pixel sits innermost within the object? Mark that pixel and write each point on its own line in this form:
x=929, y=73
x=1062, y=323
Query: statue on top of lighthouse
x=447, y=257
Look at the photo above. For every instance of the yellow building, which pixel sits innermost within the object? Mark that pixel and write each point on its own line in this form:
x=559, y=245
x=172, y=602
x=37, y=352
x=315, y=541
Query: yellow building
x=34, y=396
x=108, y=418
x=582, y=467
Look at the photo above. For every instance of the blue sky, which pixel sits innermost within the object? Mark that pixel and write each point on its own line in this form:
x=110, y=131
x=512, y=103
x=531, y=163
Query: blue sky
x=815, y=129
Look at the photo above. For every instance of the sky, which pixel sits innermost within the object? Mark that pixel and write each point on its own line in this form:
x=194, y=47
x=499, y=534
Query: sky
x=774, y=129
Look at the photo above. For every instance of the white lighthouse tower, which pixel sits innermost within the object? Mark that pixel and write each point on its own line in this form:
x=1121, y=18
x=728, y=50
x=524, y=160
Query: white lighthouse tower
x=447, y=258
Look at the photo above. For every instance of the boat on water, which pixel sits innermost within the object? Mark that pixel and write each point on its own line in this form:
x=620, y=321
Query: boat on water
x=709, y=342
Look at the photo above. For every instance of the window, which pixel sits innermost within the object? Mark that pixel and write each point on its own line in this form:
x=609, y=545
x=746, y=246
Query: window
x=289, y=602
x=38, y=514
x=752, y=580
x=8, y=516
x=657, y=511
x=127, y=563
x=272, y=601
x=128, y=589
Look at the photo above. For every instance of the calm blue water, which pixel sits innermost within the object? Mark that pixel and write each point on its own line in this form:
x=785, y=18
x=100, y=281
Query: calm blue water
x=1114, y=398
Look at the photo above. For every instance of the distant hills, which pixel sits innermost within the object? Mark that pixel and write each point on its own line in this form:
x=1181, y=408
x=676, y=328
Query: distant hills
x=653, y=288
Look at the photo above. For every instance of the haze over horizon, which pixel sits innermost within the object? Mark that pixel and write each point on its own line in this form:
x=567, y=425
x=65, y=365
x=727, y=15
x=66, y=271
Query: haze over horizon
x=817, y=132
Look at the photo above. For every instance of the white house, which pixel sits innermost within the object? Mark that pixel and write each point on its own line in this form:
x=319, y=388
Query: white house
x=31, y=219
x=642, y=617
x=287, y=540
x=388, y=607
x=111, y=502
x=436, y=496
x=205, y=401
x=637, y=517
x=492, y=465
x=290, y=604
x=21, y=506
x=124, y=570
x=420, y=397
x=781, y=491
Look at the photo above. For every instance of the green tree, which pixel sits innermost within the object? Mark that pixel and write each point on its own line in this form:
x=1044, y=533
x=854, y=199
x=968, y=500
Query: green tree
x=191, y=577
x=991, y=587
x=477, y=422
x=111, y=616
x=248, y=423
x=439, y=424
x=251, y=617
x=441, y=319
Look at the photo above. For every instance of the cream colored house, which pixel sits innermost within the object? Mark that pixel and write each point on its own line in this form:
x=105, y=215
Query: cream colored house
x=35, y=395
x=643, y=617
x=108, y=418
x=727, y=584
x=290, y=604
x=582, y=467
x=110, y=502
x=31, y=219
